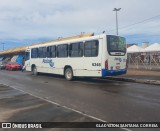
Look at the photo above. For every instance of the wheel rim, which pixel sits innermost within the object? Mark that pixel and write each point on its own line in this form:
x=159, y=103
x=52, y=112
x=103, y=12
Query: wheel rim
x=68, y=74
x=34, y=71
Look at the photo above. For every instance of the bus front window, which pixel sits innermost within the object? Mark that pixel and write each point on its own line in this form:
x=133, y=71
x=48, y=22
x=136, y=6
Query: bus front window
x=116, y=45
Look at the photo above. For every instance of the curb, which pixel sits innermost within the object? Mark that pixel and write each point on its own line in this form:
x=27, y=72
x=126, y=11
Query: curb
x=153, y=82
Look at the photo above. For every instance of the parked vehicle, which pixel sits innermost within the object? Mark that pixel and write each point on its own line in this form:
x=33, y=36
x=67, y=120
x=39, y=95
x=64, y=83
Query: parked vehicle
x=13, y=66
x=1, y=58
x=3, y=62
x=3, y=65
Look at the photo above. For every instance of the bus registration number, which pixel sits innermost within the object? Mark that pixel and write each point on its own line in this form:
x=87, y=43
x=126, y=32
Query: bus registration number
x=96, y=64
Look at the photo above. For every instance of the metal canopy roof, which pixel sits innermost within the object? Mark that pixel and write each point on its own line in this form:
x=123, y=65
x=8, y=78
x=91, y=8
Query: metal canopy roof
x=134, y=49
x=152, y=48
x=23, y=48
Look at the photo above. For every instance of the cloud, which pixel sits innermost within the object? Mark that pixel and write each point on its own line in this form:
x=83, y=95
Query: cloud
x=53, y=18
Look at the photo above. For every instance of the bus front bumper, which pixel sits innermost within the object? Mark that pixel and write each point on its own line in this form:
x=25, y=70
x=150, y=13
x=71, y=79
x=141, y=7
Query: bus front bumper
x=113, y=72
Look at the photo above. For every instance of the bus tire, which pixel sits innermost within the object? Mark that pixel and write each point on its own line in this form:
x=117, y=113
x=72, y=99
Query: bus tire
x=34, y=71
x=68, y=73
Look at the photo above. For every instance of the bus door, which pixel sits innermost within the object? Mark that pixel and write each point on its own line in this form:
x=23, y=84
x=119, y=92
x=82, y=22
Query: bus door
x=27, y=61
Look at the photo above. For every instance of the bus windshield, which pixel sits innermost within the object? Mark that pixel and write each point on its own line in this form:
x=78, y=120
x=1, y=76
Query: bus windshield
x=116, y=45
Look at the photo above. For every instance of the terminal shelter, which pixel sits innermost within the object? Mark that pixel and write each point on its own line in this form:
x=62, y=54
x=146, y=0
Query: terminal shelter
x=144, y=58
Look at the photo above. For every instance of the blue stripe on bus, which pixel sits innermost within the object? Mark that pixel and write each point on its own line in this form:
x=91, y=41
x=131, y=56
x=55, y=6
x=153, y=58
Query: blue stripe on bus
x=113, y=72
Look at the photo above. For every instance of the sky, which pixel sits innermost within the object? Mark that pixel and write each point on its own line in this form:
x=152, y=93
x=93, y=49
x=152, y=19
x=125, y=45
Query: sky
x=23, y=22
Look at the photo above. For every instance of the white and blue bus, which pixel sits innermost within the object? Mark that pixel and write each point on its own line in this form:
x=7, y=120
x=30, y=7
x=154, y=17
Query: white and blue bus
x=94, y=56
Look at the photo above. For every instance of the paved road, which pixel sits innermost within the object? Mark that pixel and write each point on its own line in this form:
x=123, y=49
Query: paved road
x=18, y=106
x=111, y=101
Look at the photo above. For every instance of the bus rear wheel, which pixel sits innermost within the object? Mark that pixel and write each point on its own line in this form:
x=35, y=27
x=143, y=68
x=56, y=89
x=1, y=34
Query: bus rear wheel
x=68, y=74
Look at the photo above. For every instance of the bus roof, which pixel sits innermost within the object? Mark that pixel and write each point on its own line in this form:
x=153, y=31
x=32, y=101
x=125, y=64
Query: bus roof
x=68, y=40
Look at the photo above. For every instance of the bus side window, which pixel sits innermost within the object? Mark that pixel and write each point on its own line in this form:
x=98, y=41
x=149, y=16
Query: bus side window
x=81, y=46
x=62, y=50
x=51, y=51
x=95, y=47
x=34, y=53
x=42, y=52
x=91, y=48
x=48, y=52
x=76, y=50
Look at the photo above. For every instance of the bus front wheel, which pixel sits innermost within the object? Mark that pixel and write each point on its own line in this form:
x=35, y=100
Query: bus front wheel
x=35, y=71
x=68, y=74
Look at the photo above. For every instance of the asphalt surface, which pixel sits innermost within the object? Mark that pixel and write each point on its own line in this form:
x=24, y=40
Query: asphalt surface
x=144, y=77
x=139, y=76
x=106, y=100
x=17, y=106
x=15, y=102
